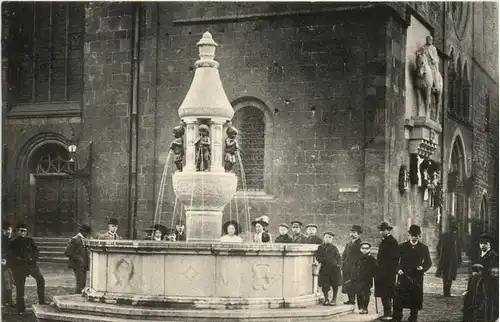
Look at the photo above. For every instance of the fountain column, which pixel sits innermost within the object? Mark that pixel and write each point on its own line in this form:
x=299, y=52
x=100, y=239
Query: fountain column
x=217, y=144
x=205, y=190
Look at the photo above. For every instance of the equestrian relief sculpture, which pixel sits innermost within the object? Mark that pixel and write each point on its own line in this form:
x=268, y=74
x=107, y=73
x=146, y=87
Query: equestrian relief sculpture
x=428, y=79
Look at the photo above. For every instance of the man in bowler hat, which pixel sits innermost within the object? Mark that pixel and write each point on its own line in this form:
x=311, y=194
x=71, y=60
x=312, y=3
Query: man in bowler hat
x=112, y=229
x=387, y=262
x=297, y=236
x=22, y=259
x=414, y=260
x=450, y=258
x=351, y=254
x=78, y=256
x=6, y=273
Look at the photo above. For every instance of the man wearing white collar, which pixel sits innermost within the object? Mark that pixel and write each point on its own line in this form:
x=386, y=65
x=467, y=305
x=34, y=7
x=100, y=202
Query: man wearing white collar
x=414, y=260
x=78, y=255
x=112, y=229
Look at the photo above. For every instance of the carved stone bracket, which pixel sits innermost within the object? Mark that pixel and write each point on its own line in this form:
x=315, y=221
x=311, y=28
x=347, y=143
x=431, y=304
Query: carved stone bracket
x=423, y=139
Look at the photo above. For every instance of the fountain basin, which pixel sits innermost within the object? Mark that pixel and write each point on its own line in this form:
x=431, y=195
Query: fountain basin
x=134, y=280
x=201, y=275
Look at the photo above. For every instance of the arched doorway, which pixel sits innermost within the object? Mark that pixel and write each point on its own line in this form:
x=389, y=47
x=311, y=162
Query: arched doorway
x=53, y=194
x=458, y=204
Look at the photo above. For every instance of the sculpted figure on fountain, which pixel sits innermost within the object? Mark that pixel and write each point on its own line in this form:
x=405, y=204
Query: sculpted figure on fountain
x=177, y=146
x=203, y=150
x=231, y=148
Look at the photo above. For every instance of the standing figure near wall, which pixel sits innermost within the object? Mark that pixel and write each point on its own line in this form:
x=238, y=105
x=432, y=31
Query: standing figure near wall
x=231, y=148
x=203, y=150
x=177, y=146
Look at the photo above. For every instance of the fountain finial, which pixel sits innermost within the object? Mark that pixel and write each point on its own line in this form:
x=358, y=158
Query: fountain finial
x=206, y=97
x=206, y=48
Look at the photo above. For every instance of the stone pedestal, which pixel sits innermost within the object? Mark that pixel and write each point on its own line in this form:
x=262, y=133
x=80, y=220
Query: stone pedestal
x=204, y=195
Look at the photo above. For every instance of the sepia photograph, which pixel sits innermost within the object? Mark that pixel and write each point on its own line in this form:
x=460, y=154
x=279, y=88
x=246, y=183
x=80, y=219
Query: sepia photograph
x=232, y=161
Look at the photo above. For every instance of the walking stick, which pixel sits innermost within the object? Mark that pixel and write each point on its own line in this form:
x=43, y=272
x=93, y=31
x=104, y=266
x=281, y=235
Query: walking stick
x=376, y=305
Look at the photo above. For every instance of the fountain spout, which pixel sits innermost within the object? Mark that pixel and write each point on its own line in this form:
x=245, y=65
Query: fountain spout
x=203, y=186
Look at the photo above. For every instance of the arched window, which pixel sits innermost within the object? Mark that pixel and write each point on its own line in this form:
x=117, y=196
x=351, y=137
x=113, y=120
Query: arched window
x=484, y=215
x=452, y=75
x=250, y=121
x=458, y=90
x=457, y=198
x=465, y=94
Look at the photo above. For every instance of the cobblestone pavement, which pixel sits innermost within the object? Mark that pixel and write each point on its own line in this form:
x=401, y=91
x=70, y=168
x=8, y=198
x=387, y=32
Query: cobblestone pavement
x=60, y=280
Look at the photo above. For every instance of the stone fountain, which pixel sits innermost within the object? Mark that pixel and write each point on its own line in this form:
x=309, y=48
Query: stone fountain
x=201, y=279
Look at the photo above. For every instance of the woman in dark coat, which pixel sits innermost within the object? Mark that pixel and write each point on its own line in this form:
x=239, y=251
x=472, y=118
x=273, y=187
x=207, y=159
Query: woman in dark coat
x=387, y=262
x=449, y=258
x=329, y=273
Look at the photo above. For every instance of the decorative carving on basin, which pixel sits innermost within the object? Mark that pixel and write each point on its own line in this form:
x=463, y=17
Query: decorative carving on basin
x=207, y=191
x=201, y=275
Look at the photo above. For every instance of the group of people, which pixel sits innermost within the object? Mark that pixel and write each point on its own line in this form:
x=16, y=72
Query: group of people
x=397, y=273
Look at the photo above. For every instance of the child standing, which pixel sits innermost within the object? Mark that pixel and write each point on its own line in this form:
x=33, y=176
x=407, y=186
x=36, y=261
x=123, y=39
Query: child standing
x=283, y=237
x=365, y=269
x=329, y=273
x=474, y=308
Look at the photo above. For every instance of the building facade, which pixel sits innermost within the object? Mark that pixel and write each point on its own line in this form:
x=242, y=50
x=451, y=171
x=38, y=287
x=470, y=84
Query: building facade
x=324, y=98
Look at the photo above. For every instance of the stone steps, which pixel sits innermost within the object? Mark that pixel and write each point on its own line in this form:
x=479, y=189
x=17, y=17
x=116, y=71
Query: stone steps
x=52, y=249
x=76, y=308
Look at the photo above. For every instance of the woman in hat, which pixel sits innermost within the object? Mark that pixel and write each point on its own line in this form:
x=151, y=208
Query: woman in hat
x=261, y=235
x=231, y=230
x=414, y=260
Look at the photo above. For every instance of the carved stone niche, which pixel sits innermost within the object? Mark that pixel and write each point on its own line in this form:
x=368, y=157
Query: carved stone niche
x=423, y=138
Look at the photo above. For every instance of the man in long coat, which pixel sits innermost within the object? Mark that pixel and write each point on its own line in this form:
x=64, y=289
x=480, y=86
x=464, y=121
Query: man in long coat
x=79, y=257
x=350, y=256
x=450, y=258
x=22, y=258
x=387, y=262
x=6, y=273
x=414, y=261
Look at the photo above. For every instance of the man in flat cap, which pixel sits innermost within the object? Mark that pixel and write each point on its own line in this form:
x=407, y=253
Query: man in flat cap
x=112, y=229
x=351, y=254
x=450, y=258
x=387, y=262
x=328, y=257
x=283, y=237
x=78, y=256
x=180, y=233
x=414, y=261
x=312, y=238
x=22, y=259
x=297, y=236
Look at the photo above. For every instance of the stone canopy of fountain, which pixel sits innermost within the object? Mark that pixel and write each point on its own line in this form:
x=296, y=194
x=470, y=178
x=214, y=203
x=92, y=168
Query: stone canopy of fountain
x=201, y=279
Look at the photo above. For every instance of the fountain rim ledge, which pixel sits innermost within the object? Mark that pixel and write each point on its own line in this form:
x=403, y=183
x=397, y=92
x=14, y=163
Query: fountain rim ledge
x=210, y=248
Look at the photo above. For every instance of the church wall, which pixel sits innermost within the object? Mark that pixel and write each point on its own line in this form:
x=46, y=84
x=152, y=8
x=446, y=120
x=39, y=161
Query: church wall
x=331, y=64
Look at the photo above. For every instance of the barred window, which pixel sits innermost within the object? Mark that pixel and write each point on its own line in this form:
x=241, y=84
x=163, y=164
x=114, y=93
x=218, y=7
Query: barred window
x=250, y=121
x=46, y=56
